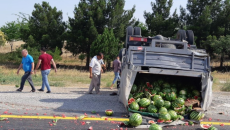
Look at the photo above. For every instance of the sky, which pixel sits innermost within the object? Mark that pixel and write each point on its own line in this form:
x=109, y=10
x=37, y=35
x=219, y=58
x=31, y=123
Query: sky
x=9, y=8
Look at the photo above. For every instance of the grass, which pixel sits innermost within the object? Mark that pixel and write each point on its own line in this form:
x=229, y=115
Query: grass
x=63, y=78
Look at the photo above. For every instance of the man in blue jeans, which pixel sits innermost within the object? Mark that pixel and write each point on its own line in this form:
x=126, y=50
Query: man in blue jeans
x=45, y=60
x=116, y=70
x=28, y=66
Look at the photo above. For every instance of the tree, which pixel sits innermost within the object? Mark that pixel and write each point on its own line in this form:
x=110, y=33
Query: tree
x=106, y=43
x=90, y=19
x=2, y=38
x=45, y=27
x=200, y=17
x=208, y=45
x=12, y=32
x=81, y=57
x=160, y=21
x=221, y=47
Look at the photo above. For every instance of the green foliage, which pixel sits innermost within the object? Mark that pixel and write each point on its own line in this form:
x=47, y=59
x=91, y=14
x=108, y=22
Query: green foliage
x=144, y=28
x=45, y=30
x=106, y=43
x=2, y=38
x=11, y=30
x=55, y=54
x=226, y=87
x=160, y=21
x=81, y=57
x=90, y=19
x=221, y=47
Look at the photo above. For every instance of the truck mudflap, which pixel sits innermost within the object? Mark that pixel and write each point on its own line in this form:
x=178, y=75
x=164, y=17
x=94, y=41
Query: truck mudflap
x=127, y=79
x=207, y=81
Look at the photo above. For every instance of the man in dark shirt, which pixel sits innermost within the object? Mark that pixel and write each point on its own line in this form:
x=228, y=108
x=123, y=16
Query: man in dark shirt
x=116, y=70
x=44, y=60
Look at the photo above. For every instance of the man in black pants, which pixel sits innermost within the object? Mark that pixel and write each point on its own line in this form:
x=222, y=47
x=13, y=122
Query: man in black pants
x=28, y=66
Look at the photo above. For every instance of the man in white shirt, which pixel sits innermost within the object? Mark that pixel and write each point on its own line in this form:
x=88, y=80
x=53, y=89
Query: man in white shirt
x=95, y=73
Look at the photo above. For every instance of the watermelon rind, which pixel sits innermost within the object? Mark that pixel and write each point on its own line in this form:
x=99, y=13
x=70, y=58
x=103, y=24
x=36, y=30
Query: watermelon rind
x=134, y=88
x=163, y=110
x=109, y=112
x=173, y=115
x=152, y=109
x=135, y=119
x=167, y=104
x=144, y=102
x=155, y=127
x=154, y=98
x=165, y=117
x=134, y=106
x=159, y=103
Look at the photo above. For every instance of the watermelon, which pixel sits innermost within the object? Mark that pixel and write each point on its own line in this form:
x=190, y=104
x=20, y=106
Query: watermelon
x=134, y=106
x=173, y=114
x=135, y=119
x=159, y=103
x=131, y=100
x=173, y=89
x=196, y=93
x=165, y=117
x=182, y=92
x=170, y=96
x=182, y=96
x=134, y=89
x=154, y=98
x=196, y=115
x=154, y=92
x=126, y=123
x=166, y=85
x=166, y=90
x=155, y=127
x=152, y=109
x=138, y=100
x=180, y=101
x=167, y=104
x=212, y=128
x=161, y=94
x=151, y=122
x=109, y=112
x=180, y=117
x=144, y=102
x=163, y=110
x=179, y=109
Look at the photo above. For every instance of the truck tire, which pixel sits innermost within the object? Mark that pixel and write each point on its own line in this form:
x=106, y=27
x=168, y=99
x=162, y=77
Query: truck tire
x=122, y=53
x=181, y=35
x=129, y=30
x=171, y=46
x=190, y=37
x=137, y=31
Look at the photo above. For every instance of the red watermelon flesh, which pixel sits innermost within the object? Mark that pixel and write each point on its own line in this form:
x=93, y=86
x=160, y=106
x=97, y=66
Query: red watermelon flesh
x=160, y=121
x=131, y=100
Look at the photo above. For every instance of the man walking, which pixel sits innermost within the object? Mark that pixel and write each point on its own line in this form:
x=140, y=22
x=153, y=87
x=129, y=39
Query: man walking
x=95, y=73
x=28, y=66
x=116, y=70
x=44, y=60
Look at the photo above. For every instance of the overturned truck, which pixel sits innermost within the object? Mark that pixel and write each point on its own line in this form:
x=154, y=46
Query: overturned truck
x=147, y=59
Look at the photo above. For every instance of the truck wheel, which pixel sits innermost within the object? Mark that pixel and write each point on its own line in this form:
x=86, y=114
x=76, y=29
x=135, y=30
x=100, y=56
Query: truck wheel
x=181, y=35
x=129, y=30
x=171, y=46
x=137, y=31
x=190, y=37
x=122, y=53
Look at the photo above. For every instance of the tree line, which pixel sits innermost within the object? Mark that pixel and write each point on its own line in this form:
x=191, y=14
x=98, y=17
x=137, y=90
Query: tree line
x=99, y=26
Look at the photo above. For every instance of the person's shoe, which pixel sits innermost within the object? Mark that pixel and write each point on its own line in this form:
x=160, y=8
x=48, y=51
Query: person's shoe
x=41, y=90
x=98, y=93
x=33, y=90
x=113, y=94
x=19, y=90
x=90, y=93
x=48, y=92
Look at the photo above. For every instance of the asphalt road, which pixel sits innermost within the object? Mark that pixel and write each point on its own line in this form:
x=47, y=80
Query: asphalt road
x=76, y=102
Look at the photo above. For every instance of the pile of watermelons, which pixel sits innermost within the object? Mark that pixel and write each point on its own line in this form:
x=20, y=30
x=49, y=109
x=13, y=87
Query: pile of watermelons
x=166, y=99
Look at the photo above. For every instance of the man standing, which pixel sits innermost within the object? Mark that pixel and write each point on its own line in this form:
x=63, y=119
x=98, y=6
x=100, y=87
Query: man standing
x=95, y=73
x=28, y=66
x=116, y=70
x=44, y=60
